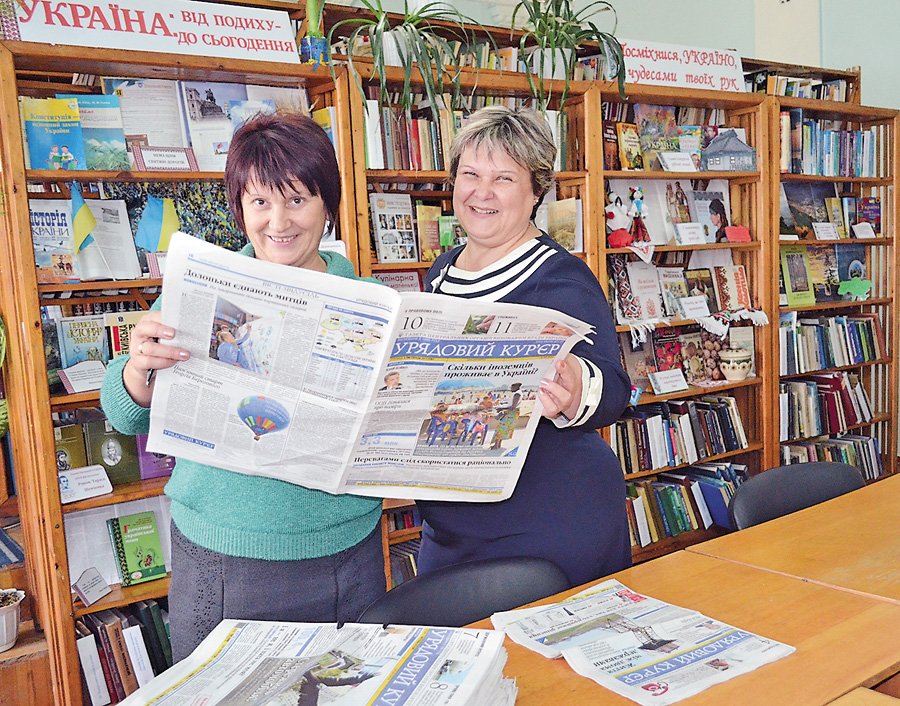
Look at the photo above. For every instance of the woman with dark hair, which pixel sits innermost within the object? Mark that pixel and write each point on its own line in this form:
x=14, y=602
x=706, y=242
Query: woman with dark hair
x=569, y=502
x=719, y=219
x=245, y=546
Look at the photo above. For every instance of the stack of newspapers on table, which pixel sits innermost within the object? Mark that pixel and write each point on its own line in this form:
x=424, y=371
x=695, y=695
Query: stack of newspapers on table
x=647, y=650
x=245, y=663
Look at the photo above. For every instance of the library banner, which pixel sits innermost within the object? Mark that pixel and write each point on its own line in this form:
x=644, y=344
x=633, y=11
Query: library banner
x=658, y=64
x=168, y=26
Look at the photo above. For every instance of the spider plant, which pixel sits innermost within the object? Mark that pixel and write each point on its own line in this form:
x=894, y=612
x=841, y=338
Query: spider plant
x=557, y=26
x=421, y=39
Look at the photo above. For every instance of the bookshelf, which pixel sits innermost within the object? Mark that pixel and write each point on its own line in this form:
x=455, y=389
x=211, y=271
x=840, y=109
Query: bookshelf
x=43, y=516
x=876, y=372
x=747, y=192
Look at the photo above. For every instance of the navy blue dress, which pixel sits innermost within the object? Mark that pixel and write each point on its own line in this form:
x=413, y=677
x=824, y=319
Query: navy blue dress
x=569, y=502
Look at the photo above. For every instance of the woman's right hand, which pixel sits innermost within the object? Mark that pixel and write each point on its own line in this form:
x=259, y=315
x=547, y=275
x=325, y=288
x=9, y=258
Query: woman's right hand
x=146, y=354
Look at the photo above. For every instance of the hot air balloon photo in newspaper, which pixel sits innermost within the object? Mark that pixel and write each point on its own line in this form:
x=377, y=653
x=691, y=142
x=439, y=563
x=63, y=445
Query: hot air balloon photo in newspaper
x=263, y=415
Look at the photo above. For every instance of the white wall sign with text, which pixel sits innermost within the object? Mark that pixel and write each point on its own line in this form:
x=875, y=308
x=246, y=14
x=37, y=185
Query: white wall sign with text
x=657, y=64
x=168, y=26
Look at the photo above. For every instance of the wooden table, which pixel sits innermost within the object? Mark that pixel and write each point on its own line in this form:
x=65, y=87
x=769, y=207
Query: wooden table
x=843, y=640
x=851, y=542
x=865, y=697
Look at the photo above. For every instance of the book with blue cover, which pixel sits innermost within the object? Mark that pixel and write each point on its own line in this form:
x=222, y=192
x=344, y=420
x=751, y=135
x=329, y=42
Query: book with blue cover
x=53, y=132
x=102, y=131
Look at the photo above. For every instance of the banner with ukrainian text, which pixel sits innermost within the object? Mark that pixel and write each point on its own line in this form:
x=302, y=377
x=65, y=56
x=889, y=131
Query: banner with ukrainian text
x=168, y=26
x=658, y=64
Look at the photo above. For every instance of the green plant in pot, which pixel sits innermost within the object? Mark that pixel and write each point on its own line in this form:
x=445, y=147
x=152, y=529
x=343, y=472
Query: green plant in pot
x=314, y=46
x=554, y=31
x=420, y=39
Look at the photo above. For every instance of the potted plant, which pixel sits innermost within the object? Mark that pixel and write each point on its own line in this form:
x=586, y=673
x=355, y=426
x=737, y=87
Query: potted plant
x=554, y=31
x=313, y=47
x=418, y=39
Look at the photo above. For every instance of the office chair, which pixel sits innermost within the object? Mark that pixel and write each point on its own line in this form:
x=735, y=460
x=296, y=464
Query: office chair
x=457, y=595
x=786, y=489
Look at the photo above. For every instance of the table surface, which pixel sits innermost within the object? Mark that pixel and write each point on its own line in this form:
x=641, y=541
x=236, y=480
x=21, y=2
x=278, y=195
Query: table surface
x=843, y=640
x=850, y=542
x=865, y=697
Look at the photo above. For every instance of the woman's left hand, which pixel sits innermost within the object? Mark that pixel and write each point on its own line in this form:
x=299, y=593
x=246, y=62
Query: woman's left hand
x=562, y=394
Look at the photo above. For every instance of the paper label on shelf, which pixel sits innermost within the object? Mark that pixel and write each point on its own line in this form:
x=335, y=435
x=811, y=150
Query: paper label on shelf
x=668, y=381
x=171, y=27
x=90, y=586
x=82, y=483
x=656, y=64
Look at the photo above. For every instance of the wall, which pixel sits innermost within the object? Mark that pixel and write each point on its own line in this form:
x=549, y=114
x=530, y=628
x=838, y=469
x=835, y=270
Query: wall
x=788, y=31
x=864, y=33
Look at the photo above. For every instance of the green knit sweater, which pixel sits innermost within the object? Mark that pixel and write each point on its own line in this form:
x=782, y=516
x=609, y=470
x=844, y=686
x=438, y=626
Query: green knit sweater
x=244, y=515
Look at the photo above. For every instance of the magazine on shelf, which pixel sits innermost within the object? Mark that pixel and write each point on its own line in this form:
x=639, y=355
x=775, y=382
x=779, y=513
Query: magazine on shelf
x=294, y=362
x=640, y=647
x=260, y=662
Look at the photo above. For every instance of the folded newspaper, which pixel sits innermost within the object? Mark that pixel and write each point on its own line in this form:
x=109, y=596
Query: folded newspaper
x=647, y=650
x=349, y=386
x=257, y=663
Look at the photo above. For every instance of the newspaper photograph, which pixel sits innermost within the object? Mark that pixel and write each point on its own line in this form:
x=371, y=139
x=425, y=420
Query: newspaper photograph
x=349, y=386
x=647, y=650
x=261, y=663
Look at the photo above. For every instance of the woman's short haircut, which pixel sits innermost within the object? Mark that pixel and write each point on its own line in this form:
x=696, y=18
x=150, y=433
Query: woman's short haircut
x=277, y=149
x=522, y=134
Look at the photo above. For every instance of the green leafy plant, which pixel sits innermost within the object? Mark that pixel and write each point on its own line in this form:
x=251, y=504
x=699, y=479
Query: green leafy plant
x=556, y=25
x=314, y=18
x=421, y=36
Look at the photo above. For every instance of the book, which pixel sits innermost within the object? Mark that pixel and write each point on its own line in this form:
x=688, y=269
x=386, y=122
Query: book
x=808, y=204
x=658, y=131
x=797, y=277
x=451, y=232
x=52, y=239
x=53, y=131
x=836, y=216
x=667, y=349
x=708, y=209
x=851, y=264
x=692, y=358
x=392, y=227
x=611, y=160
x=637, y=360
x=91, y=667
x=137, y=548
x=206, y=107
x=116, y=452
x=118, y=327
x=115, y=686
x=70, y=449
x=162, y=630
x=112, y=253
x=152, y=465
x=150, y=109
x=631, y=156
x=82, y=338
x=868, y=210
x=645, y=288
x=700, y=283
x=121, y=662
x=673, y=286
x=732, y=289
x=823, y=271
x=141, y=610
x=428, y=230
x=102, y=131
x=565, y=223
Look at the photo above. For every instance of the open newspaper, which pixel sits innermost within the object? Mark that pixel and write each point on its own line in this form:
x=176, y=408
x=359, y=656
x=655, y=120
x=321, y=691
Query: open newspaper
x=348, y=386
x=258, y=663
x=645, y=649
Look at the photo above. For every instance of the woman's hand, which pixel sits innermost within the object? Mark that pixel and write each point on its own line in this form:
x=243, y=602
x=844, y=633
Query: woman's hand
x=148, y=354
x=562, y=394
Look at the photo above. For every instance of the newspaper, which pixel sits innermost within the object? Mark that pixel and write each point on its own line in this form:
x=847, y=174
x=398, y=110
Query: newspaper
x=647, y=650
x=349, y=386
x=260, y=663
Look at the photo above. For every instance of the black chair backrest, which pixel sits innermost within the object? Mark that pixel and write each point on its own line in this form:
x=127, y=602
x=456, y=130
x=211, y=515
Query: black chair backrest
x=457, y=595
x=786, y=489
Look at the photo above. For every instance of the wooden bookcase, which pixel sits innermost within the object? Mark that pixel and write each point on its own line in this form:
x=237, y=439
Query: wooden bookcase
x=32, y=69
x=879, y=377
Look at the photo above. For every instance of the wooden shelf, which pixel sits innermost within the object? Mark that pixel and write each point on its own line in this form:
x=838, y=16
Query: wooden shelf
x=119, y=597
x=671, y=176
x=876, y=419
x=752, y=245
x=871, y=181
x=697, y=391
x=122, y=494
x=397, y=536
x=751, y=448
x=822, y=306
x=854, y=366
